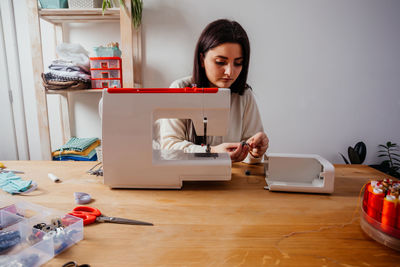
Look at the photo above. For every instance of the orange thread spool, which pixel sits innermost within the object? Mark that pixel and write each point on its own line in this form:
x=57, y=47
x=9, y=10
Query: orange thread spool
x=375, y=203
x=398, y=214
x=368, y=189
x=389, y=211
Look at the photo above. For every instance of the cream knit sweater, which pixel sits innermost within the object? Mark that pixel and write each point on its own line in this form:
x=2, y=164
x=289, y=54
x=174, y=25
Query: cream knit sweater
x=244, y=122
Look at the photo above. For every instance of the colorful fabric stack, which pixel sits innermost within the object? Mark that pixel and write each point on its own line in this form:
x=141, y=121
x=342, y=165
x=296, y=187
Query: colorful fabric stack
x=79, y=149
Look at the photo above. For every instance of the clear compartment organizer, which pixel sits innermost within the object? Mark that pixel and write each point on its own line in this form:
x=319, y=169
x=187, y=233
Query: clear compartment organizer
x=105, y=63
x=106, y=74
x=106, y=83
x=36, y=246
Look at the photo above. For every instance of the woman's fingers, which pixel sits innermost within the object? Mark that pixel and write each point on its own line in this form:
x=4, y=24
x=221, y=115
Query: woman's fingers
x=258, y=144
x=245, y=151
x=238, y=151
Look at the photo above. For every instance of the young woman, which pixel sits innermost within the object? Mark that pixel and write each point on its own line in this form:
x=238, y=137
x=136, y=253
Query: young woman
x=221, y=60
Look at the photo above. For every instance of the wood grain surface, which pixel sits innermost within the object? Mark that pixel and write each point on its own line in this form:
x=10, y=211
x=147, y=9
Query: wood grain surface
x=232, y=223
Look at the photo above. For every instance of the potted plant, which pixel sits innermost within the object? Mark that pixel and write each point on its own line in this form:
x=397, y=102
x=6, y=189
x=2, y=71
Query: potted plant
x=356, y=154
x=136, y=9
x=391, y=159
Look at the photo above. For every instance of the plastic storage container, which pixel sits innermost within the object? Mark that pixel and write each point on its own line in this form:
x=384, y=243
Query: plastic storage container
x=105, y=63
x=382, y=233
x=106, y=72
x=53, y=3
x=107, y=51
x=77, y=4
x=105, y=83
x=36, y=246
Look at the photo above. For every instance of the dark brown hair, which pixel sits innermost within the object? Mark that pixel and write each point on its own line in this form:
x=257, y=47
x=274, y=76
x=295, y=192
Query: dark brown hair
x=216, y=33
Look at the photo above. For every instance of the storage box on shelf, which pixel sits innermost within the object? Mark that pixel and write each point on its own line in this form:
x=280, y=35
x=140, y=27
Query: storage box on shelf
x=106, y=72
x=102, y=51
x=29, y=245
x=53, y=3
x=80, y=4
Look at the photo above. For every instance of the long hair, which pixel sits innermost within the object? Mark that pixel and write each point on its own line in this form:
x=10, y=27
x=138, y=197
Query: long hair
x=216, y=33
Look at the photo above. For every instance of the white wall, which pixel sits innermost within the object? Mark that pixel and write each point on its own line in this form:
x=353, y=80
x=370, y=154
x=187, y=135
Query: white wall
x=326, y=73
x=8, y=150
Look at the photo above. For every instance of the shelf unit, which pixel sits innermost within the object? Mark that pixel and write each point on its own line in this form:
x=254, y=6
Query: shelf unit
x=131, y=58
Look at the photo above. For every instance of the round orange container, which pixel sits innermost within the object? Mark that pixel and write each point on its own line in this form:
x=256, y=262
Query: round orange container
x=383, y=223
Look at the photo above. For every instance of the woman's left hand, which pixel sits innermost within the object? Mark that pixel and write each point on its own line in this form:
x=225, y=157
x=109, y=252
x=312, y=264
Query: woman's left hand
x=258, y=144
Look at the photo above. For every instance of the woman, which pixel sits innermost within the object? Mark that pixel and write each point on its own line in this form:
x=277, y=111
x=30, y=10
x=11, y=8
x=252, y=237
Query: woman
x=221, y=60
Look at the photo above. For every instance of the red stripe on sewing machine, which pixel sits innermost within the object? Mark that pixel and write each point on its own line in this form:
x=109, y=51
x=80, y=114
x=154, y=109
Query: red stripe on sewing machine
x=186, y=90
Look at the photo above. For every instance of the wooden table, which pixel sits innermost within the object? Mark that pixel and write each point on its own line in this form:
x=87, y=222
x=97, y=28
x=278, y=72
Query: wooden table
x=233, y=223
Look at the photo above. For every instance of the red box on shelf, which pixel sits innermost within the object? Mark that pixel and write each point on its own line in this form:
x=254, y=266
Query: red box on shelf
x=105, y=63
x=106, y=72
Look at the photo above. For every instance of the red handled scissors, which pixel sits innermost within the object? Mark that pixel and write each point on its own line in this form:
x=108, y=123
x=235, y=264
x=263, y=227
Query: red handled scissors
x=91, y=215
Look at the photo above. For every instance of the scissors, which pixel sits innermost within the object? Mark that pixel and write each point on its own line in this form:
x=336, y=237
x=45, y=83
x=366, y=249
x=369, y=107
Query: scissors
x=91, y=215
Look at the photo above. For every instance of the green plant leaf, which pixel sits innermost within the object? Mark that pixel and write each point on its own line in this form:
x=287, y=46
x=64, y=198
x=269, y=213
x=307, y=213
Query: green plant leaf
x=353, y=156
x=382, y=156
x=361, y=150
x=383, y=146
x=344, y=158
x=103, y=6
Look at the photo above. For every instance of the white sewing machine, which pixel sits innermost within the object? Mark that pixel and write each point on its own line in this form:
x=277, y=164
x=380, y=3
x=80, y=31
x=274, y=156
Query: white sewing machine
x=129, y=159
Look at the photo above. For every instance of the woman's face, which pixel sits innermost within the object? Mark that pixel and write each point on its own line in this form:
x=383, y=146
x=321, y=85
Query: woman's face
x=223, y=64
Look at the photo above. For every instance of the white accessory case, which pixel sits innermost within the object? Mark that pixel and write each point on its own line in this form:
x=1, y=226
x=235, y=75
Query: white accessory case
x=298, y=173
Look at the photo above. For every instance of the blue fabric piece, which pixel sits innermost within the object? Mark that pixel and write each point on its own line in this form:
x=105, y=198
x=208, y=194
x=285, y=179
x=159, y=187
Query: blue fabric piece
x=13, y=184
x=63, y=157
x=89, y=157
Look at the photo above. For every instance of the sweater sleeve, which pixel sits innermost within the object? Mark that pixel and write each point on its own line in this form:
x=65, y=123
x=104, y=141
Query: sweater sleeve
x=174, y=132
x=252, y=123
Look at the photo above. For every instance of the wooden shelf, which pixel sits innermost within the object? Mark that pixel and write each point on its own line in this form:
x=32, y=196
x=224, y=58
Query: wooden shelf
x=91, y=91
x=131, y=58
x=61, y=15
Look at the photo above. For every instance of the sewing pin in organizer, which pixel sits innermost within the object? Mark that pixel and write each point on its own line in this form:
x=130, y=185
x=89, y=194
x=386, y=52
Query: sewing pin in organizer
x=54, y=178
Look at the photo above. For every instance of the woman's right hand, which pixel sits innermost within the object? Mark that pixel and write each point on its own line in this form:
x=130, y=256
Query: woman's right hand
x=236, y=151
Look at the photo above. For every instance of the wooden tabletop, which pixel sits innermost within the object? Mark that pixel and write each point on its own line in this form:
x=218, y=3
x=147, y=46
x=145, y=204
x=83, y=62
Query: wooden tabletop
x=232, y=223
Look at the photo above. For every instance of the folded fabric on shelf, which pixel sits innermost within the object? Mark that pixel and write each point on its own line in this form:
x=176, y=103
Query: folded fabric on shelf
x=78, y=144
x=76, y=157
x=65, y=65
x=71, y=152
x=70, y=85
x=74, y=53
x=92, y=156
x=63, y=76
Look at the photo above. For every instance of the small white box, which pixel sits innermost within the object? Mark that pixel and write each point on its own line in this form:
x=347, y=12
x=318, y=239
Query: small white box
x=299, y=173
x=81, y=4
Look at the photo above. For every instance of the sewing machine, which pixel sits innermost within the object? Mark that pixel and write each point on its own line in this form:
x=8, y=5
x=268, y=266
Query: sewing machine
x=129, y=158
